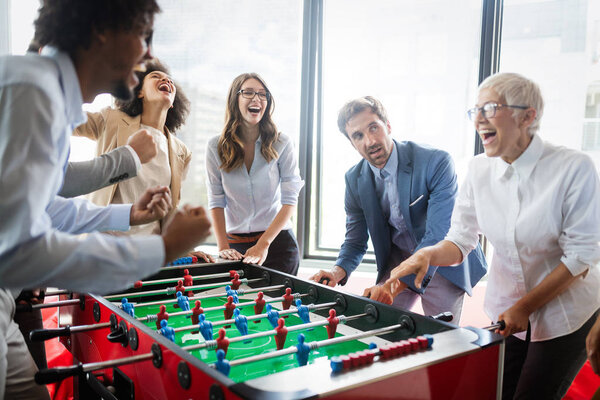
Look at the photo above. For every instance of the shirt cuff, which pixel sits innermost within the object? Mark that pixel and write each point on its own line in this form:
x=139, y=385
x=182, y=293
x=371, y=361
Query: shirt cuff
x=152, y=253
x=120, y=216
x=463, y=250
x=574, y=266
x=136, y=158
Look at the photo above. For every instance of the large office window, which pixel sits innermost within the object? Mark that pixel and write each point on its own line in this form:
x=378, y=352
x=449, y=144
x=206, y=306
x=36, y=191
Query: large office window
x=420, y=59
x=557, y=44
x=207, y=44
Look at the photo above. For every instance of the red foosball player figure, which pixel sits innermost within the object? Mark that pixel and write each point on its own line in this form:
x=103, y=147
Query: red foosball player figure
x=196, y=311
x=179, y=288
x=222, y=341
x=333, y=323
x=188, y=281
x=162, y=314
x=229, y=307
x=288, y=298
x=281, y=333
x=259, y=303
x=235, y=283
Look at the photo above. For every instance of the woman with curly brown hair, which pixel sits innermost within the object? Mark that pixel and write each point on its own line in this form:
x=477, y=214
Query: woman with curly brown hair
x=160, y=107
x=253, y=181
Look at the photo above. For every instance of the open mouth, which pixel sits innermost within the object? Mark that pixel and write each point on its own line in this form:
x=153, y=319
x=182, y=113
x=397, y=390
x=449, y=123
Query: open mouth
x=254, y=110
x=487, y=136
x=375, y=151
x=165, y=87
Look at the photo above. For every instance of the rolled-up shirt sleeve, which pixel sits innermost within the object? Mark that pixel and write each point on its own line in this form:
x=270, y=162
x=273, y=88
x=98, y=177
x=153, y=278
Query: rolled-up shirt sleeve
x=580, y=234
x=214, y=183
x=464, y=227
x=291, y=182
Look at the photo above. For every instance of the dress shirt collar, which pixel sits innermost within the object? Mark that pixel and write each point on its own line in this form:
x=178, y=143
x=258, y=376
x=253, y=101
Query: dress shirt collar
x=391, y=166
x=70, y=85
x=526, y=162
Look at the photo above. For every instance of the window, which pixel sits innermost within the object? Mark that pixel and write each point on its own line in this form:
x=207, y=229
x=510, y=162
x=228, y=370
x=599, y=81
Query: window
x=557, y=44
x=207, y=44
x=421, y=60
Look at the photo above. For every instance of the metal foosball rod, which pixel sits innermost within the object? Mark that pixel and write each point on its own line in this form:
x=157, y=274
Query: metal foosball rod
x=318, y=344
x=173, y=290
x=240, y=292
x=311, y=307
x=59, y=303
x=51, y=375
x=195, y=278
x=213, y=344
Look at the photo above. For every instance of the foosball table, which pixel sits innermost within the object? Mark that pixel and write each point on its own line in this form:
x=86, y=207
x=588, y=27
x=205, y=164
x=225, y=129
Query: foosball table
x=236, y=331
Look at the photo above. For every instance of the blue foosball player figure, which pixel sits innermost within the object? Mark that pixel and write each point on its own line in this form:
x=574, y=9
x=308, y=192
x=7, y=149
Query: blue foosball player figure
x=127, y=307
x=205, y=327
x=232, y=293
x=272, y=316
x=303, y=351
x=241, y=322
x=183, y=302
x=303, y=311
x=222, y=364
x=166, y=330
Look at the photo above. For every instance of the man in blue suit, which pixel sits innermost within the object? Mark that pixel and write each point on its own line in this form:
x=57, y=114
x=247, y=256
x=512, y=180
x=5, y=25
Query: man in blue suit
x=402, y=195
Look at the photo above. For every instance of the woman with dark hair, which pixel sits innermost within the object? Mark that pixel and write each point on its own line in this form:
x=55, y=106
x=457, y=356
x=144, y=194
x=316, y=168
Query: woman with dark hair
x=253, y=181
x=160, y=107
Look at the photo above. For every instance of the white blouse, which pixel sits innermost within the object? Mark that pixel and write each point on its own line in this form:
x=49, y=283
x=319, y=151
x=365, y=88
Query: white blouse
x=539, y=211
x=252, y=199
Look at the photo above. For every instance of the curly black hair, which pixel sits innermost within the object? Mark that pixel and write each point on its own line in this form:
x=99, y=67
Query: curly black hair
x=176, y=115
x=70, y=24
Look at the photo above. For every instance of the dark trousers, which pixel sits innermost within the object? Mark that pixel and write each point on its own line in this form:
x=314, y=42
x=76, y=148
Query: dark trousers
x=283, y=252
x=543, y=370
x=28, y=321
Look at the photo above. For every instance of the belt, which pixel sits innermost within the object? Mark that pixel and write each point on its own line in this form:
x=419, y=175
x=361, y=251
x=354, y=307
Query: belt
x=236, y=239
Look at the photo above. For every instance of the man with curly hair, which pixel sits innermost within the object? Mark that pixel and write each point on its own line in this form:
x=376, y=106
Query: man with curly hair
x=90, y=47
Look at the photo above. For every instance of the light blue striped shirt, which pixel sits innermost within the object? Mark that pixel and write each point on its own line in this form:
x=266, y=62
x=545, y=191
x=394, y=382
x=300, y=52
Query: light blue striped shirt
x=386, y=186
x=252, y=199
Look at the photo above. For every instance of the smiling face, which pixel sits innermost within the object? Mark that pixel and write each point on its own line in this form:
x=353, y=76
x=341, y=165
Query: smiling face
x=371, y=137
x=252, y=110
x=120, y=53
x=503, y=135
x=158, y=87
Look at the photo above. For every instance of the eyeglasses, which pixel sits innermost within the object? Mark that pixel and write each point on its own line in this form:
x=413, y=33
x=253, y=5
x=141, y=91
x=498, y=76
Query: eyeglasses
x=250, y=93
x=488, y=110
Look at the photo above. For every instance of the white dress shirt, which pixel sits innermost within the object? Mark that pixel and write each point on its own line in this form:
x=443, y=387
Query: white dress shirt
x=539, y=211
x=252, y=199
x=40, y=104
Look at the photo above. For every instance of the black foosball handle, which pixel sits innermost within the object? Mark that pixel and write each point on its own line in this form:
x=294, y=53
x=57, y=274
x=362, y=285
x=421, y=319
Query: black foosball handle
x=325, y=280
x=445, y=316
x=51, y=375
x=500, y=325
x=41, y=335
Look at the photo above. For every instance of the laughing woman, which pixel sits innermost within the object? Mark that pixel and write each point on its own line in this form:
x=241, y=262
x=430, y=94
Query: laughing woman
x=253, y=181
x=160, y=107
x=539, y=206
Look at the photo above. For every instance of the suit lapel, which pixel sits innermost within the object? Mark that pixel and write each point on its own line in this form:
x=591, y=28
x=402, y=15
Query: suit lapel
x=405, y=175
x=378, y=226
x=126, y=127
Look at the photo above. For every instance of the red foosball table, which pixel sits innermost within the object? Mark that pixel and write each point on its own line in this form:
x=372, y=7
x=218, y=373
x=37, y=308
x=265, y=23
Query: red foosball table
x=236, y=331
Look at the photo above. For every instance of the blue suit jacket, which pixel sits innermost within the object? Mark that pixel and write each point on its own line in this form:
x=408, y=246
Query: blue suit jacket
x=427, y=189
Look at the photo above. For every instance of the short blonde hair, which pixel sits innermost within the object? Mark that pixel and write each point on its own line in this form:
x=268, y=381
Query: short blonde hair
x=516, y=90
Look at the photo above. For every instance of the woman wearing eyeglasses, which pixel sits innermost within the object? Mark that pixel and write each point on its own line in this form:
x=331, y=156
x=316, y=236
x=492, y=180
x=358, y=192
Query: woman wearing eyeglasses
x=539, y=205
x=253, y=181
